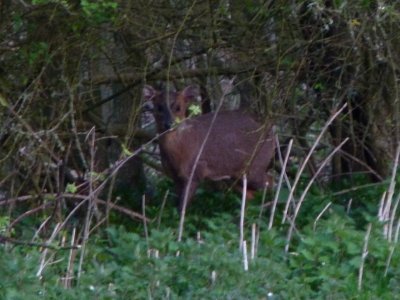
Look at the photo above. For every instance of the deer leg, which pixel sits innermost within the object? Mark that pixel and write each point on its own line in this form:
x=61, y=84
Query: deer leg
x=258, y=183
x=179, y=190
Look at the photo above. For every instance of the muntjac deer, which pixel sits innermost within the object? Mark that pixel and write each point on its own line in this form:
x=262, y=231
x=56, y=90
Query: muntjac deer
x=236, y=144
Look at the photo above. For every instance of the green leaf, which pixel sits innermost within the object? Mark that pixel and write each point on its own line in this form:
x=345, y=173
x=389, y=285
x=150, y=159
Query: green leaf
x=194, y=110
x=3, y=101
x=71, y=188
x=126, y=151
x=4, y=222
x=307, y=254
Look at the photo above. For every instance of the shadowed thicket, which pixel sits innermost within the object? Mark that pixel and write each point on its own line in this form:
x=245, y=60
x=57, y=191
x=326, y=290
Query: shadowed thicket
x=72, y=72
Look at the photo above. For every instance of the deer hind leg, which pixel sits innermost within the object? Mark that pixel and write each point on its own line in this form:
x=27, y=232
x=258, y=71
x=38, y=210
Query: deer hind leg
x=257, y=183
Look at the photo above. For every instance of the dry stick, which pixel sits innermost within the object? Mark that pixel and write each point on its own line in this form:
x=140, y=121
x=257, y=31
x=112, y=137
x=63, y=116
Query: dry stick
x=128, y=212
x=85, y=198
x=26, y=214
x=352, y=189
x=37, y=232
x=146, y=233
x=189, y=182
x=391, y=192
x=381, y=216
x=253, y=241
x=72, y=111
x=320, y=215
x=393, y=246
x=264, y=195
x=109, y=197
x=213, y=277
x=91, y=201
x=287, y=181
x=43, y=261
x=72, y=254
x=363, y=164
x=396, y=236
x=263, y=205
x=389, y=259
x=245, y=260
x=392, y=217
x=18, y=199
x=117, y=165
x=180, y=29
x=162, y=209
x=242, y=210
x=300, y=171
x=198, y=238
x=303, y=195
x=364, y=256
x=278, y=190
x=35, y=135
x=8, y=240
x=132, y=214
x=349, y=206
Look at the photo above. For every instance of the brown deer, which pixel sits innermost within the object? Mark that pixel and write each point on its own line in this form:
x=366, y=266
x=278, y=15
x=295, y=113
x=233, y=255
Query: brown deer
x=236, y=143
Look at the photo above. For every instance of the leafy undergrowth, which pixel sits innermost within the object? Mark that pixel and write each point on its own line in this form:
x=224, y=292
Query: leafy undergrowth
x=325, y=259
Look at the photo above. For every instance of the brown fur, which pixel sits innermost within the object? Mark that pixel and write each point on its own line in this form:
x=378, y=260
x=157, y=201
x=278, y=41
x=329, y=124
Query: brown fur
x=237, y=144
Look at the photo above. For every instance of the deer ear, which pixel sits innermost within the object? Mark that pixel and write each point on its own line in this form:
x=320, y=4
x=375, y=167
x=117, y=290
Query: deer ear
x=190, y=93
x=149, y=92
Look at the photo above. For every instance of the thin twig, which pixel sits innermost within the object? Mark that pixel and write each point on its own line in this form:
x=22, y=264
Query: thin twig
x=91, y=202
x=390, y=192
x=364, y=256
x=126, y=211
x=348, y=207
x=28, y=213
x=71, y=258
x=245, y=259
x=389, y=259
x=303, y=195
x=356, y=188
x=278, y=189
x=392, y=218
x=196, y=161
x=242, y=211
x=253, y=241
x=302, y=167
x=320, y=215
x=393, y=246
x=162, y=209
x=146, y=233
x=43, y=262
x=5, y=239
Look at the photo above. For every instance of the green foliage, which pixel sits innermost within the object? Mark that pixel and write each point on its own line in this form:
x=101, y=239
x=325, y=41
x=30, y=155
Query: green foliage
x=4, y=222
x=41, y=2
x=323, y=262
x=71, y=188
x=37, y=52
x=194, y=110
x=99, y=11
